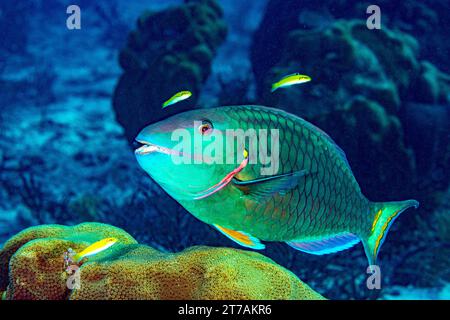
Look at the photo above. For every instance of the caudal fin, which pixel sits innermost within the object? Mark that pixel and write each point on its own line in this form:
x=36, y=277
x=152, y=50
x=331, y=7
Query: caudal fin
x=385, y=215
x=274, y=87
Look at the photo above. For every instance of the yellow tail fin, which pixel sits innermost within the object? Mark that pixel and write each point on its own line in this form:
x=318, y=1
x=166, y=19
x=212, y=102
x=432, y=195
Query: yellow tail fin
x=385, y=214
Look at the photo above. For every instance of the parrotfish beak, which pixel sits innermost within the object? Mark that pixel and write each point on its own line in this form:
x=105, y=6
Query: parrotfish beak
x=153, y=152
x=160, y=157
x=148, y=147
x=145, y=148
x=154, y=138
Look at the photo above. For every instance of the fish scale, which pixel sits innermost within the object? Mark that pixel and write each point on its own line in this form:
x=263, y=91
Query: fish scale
x=313, y=202
x=308, y=152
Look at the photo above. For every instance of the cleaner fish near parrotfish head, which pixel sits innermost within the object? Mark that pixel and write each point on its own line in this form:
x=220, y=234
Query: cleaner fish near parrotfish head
x=177, y=97
x=312, y=201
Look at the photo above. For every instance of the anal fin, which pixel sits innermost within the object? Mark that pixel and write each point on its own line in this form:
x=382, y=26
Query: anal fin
x=326, y=245
x=242, y=238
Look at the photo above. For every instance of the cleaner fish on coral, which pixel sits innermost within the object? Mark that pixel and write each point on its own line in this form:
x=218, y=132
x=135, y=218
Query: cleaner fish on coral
x=91, y=250
x=312, y=200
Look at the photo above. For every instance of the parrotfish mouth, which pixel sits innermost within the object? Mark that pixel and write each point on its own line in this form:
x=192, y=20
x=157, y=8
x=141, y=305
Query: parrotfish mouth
x=148, y=148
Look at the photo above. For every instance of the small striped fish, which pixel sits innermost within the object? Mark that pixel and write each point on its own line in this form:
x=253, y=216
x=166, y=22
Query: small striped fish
x=94, y=248
x=290, y=80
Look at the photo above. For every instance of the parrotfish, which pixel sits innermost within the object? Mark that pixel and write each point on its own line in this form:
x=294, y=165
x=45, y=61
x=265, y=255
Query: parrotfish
x=177, y=97
x=289, y=80
x=94, y=248
x=309, y=199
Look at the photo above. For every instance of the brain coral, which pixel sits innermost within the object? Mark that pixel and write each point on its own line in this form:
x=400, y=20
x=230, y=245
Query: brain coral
x=32, y=262
x=170, y=51
x=132, y=271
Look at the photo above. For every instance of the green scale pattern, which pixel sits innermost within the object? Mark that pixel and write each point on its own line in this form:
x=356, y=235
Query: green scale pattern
x=326, y=201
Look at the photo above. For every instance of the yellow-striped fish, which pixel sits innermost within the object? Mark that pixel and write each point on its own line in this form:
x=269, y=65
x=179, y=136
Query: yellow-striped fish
x=177, y=97
x=289, y=80
x=95, y=248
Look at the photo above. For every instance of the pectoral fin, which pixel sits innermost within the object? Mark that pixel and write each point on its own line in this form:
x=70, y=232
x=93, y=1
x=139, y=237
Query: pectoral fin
x=243, y=238
x=264, y=188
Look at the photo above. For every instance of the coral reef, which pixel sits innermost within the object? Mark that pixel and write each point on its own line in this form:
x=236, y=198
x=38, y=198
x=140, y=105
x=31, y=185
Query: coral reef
x=393, y=123
x=14, y=24
x=430, y=141
x=346, y=60
x=371, y=91
x=32, y=267
x=431, y=85
x=170, y=51
x=423, y=20
x=368, y=133
x=34, y=258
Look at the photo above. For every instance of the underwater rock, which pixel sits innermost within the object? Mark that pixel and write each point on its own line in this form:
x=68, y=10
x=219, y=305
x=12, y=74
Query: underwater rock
x=129, y=270
x=14, y=26
x=195, y=273
x=270, y=38
x=345, y=60
x=170, y=51
x=430, y=141
x=375, y=138
x=431, y=85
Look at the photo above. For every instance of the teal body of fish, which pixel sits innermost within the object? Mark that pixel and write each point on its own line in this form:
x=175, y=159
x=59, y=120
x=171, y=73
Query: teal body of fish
x=304, y=194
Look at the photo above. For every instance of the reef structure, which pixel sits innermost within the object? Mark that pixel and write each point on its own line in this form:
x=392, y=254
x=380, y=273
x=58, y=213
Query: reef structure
x=365, y=84
x=170, y=51
x=32, y=267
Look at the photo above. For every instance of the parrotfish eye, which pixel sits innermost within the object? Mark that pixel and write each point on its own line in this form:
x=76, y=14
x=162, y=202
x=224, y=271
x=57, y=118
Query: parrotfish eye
x=206, y=127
